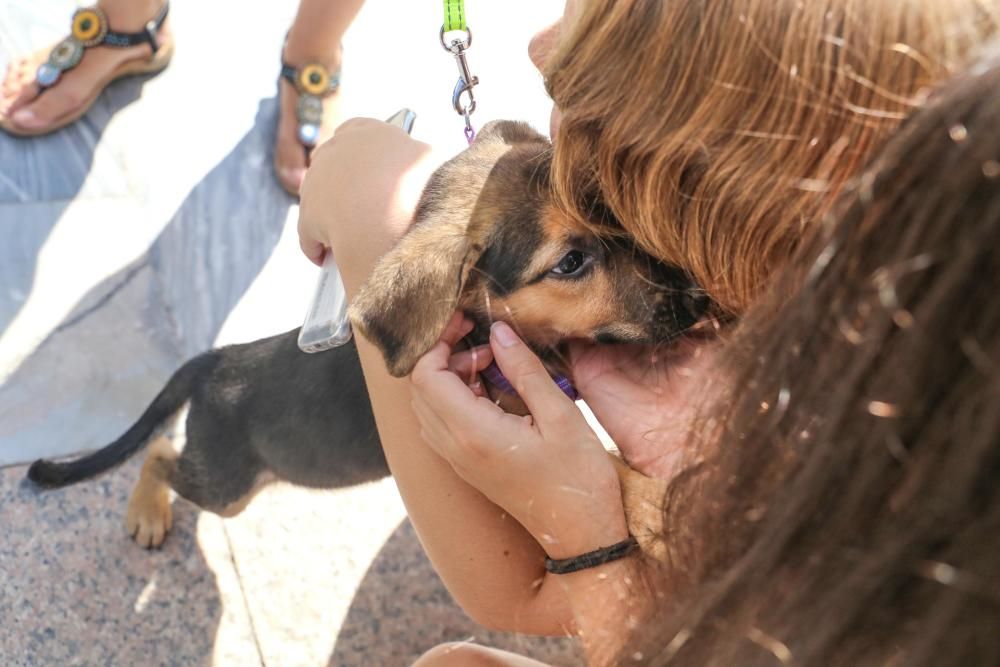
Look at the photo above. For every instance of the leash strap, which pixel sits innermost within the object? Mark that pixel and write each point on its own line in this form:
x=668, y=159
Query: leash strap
x=454, y=15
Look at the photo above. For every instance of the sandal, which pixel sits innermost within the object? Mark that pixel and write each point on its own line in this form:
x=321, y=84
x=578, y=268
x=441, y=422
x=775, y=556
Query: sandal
x=90, y=28
x=314, y=83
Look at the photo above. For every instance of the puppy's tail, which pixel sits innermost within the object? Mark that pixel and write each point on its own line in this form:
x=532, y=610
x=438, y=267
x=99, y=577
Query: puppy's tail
x=52, y=474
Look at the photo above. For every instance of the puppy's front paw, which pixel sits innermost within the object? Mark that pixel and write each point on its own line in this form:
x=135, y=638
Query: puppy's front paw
x=149, y=516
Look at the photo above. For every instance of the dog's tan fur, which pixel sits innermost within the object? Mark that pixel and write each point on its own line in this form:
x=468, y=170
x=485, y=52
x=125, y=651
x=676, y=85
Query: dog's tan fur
x=403, y=309
x=150, y=517
x=549, y=312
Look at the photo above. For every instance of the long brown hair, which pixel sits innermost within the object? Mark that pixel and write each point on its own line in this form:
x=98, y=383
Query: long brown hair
x=851, y=515
x=719, y=132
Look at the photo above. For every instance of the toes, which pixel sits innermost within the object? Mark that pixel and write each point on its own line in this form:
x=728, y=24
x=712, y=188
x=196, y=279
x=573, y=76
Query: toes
x=19, y=85
x=25, y=117
x=289, y=154
x=148, y=525
x=21, y=97
x=291, y=177
x=11, y=82
x=136, y=529
x=157, y=532
x=16, y=92
x=149, y=534
x=47, y=109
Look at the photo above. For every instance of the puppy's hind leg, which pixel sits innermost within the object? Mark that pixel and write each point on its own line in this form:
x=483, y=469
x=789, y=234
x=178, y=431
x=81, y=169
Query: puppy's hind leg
x=149, y=517
x=231, y=509
x=219, y=469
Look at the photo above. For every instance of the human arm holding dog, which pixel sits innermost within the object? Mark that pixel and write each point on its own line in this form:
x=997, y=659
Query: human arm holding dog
x=357, y=199
x=549, y=470
x=491, y=564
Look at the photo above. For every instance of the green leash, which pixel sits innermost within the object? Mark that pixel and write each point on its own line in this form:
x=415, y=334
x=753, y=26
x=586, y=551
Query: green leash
x=454, y=23
x=454, y=15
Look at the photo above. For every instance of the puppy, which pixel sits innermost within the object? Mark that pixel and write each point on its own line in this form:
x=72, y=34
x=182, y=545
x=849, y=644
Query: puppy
x=485, y=239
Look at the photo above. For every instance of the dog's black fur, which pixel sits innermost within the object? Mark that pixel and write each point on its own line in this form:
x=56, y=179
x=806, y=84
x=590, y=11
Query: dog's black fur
x=256, y=407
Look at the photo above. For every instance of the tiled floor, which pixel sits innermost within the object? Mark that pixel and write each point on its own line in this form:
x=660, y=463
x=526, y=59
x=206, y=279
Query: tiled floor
x=152, y=230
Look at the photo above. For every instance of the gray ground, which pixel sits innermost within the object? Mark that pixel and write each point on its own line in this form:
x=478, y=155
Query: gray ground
x=147, y=232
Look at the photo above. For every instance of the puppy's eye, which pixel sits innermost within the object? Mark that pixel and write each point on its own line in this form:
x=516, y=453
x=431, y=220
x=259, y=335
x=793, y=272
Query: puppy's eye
x=572, y=262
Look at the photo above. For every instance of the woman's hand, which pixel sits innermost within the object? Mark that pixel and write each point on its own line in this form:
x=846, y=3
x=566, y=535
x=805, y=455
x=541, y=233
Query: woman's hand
x=645, y=397
x=368, y=170
x=548, y=470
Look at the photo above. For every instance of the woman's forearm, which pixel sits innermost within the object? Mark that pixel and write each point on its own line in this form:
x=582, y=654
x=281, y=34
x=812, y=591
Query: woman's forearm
x=489, y=562
x=358, y=198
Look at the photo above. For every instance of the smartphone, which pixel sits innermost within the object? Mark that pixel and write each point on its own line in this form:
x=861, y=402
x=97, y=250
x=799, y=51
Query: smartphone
x=326, y=324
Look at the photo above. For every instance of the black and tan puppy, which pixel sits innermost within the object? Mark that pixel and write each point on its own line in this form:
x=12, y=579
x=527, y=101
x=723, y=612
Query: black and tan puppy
x=485, y=239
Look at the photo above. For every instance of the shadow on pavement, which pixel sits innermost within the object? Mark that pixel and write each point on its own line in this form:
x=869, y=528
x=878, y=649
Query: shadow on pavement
x=97, y=370
x=39, y=177
x=78, y=591
x=401, y=609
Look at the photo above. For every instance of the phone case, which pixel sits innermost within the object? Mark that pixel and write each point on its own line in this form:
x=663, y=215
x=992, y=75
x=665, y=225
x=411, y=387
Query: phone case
x=326, y=324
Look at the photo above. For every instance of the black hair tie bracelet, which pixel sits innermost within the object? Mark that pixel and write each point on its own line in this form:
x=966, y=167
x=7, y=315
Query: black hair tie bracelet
x=592, y=558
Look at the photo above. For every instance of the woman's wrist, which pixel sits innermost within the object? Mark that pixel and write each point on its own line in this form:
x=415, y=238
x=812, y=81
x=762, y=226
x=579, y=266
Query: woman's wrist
x=595, y=558
x=586, y=521
x=563, y=544
x=608, y=603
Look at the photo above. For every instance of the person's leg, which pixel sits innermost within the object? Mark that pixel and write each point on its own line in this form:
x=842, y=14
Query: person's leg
x=462, y=654
x=314, y=37
x=20, y=103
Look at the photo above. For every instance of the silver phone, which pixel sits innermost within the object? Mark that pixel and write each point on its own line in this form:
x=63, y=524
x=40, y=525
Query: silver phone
x=326, y=324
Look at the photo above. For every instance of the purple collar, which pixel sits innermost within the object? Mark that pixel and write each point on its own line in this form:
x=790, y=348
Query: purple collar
x=496, y=378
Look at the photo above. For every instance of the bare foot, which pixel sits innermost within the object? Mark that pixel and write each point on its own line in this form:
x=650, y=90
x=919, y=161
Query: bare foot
x=290, y=159
x=23, y=109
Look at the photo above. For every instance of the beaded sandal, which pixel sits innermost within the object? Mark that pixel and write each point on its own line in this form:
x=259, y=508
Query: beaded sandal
x=90, y=28
x=313, y=82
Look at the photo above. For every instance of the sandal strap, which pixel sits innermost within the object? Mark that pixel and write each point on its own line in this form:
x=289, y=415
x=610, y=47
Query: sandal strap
x=90, y=28
x=293, y=75
x=313, y=81
x=290, y=74
x=147, y=35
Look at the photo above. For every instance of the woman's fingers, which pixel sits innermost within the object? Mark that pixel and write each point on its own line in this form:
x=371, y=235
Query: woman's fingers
x=467, y=364
x=446, y=385
x=458, y=328
x=444, y=391
x=433, y=429
x=550, y=407
x=439, y=356
x=314, y=250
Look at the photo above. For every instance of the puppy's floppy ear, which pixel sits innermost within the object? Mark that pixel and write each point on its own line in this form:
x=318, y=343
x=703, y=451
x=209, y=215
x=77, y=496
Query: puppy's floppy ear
x=415, y=287
x=407, y=301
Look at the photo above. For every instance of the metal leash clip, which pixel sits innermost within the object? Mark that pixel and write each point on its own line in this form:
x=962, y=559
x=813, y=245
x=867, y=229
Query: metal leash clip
x=466, y=81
